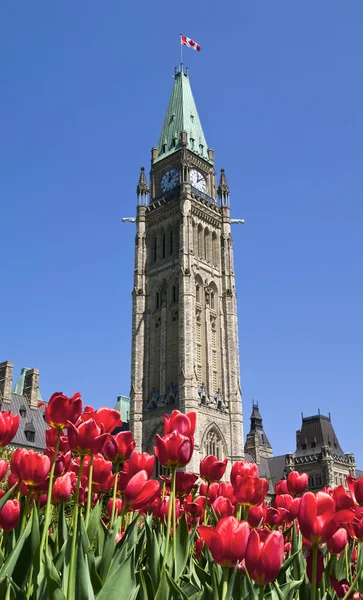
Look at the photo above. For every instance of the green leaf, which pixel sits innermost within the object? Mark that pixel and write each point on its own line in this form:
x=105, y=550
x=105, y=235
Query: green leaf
x=232, y=578
x=163, y=591
x=12, y=559
x=183, y=542
x=94, y=520
x=122, y=581
x=7, y=496
x=108, y=551
x=83, y=587
x=176, y=588
x=54, y=590
x=153, y=554
x=62, y=531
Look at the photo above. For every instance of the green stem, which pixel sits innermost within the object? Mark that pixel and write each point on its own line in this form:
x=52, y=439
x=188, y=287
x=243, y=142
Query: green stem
x=239, y=512
x=314, y=570
x=114, y=494
x=356, y=579
x=225, y=582
x=26, y=509
x=261, y=592
x=49, y=497
x=75, y=525
x=206, y=505
x=164, y=489
x=168, y=525
x=245, y=509
x=89, y=493
x=173, y=501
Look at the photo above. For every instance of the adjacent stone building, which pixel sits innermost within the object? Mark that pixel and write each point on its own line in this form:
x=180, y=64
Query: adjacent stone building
x=318, y=453
x=23, y=400
x=184, y=323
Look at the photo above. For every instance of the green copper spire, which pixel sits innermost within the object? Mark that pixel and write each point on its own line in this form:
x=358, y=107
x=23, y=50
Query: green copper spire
x=182, y=115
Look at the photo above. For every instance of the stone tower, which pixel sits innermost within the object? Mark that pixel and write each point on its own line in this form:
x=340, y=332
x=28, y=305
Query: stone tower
x=184, y=326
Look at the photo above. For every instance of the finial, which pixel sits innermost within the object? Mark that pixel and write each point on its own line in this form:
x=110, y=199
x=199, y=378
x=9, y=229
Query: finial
x=223, y=189
x=142, y=188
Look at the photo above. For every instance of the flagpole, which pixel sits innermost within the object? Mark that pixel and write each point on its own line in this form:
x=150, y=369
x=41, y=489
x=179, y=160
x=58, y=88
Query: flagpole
x=181, y=54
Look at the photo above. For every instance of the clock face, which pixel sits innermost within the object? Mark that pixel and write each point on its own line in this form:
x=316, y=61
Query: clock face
x=169, y=180
x=198, y=181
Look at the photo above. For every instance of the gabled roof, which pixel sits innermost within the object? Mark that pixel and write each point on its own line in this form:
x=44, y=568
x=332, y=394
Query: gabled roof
x=182, y=115
x=317, y=431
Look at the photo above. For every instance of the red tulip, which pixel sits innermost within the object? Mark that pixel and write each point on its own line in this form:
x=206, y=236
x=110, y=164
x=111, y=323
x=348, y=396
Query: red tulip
x=341, y=498
x=160, y=508
x=184, y=483
x=12, y=480
x=223, y=507
x=62, y=487
x=140, y=491
x=243, y=468
x=281, y=487
x=86, y=437
x=51, y=436
x=226, y=489
x=264, y=555
x=213, y=491
x=276, y=516
x=9, y=424
x=342, y=587
x=60, y=410
x=174, y=449
x=257, y=515
x=297, y=483
x=195, y=509
x=62, y=462
x=107, y=419
x=177, y=421
x=355, y=528
x=288, y=503
x=356, y=489
x=4, y=465
x=140, y=461
x=118, y=507
x=338, y=541
x=250, y=491
x=211, y=469
x=34, y=468
x=15, y=461
x=227, y=542
x=9, y=515
x=119, y=447
x=317, y=517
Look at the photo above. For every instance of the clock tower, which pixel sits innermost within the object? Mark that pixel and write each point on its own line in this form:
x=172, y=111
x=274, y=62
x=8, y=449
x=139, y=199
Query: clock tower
x=184, y=323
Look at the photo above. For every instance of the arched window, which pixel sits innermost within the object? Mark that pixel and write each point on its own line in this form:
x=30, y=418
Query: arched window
x=215, y=253
x=195, y=238
x=171, y=249
x=175, y=292
x=155, y=248
x=201, y=252
x=157, y=300
x=163, y=245
x=197, y=293
x=207, y=248
x=212, y=302
x=213, y=444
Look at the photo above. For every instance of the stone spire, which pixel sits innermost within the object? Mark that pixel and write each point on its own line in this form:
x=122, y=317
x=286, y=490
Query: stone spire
x=142, y=188
x=257, y=444
x=182, y=116
x=223, y=189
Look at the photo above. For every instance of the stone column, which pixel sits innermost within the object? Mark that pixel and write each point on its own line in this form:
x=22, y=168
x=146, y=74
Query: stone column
x=138, y=329
x=31, y=387
x=6, y=380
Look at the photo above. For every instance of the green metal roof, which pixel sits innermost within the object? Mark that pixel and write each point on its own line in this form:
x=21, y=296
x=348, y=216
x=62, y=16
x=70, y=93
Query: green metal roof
x=123, y=406
x=182, y=115
x=19, y=386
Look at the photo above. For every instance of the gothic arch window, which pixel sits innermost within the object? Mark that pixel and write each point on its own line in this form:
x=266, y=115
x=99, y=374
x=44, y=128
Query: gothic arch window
x=176, y=236
x=157, y=300
x=195, y=237
x=197, y=293
x=213, y=443
x=201, y=253
x=215, y=249
x=171, y=239
x=175, y=292
x=212, y=300
x=155, y=248
x=163, y=244
x=207, y=244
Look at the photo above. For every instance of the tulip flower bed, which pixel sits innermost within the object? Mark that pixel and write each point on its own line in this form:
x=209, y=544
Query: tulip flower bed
x=86, y=520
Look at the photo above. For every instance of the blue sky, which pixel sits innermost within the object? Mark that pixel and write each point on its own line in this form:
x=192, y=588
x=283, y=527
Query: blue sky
x=278, y=86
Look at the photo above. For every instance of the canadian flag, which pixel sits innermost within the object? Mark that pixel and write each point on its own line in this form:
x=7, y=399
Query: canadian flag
x=185, y=41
